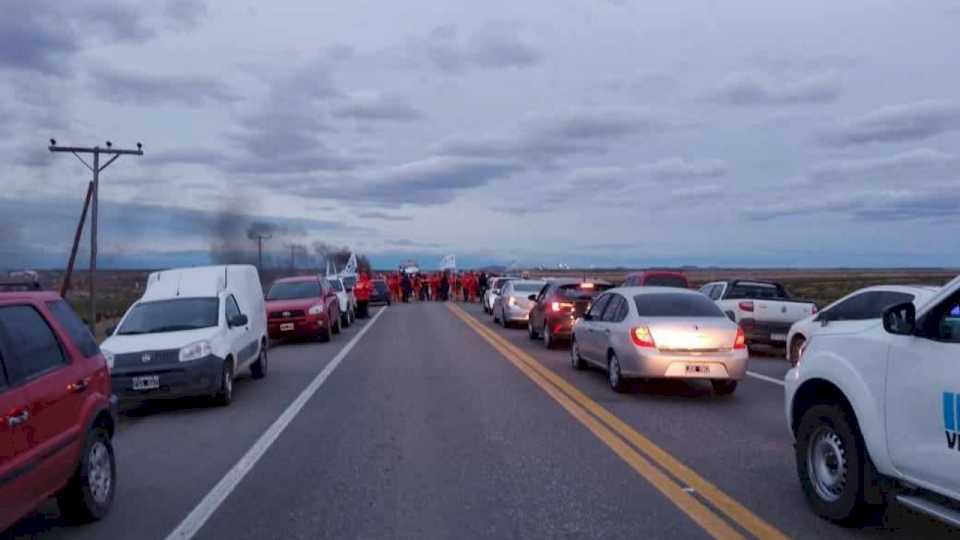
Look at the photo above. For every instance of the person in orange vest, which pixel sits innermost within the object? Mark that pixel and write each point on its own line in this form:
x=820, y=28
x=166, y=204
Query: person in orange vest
x=393, y=283
x=473, y=287
x=362, y=290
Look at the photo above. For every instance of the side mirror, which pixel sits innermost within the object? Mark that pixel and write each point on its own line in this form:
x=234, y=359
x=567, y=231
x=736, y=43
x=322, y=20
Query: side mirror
x=900, y=319
x=532, y=298
x=238, y=320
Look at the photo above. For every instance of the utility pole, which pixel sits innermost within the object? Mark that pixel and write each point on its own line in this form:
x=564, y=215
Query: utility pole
x=96, y=168
x=260, y=238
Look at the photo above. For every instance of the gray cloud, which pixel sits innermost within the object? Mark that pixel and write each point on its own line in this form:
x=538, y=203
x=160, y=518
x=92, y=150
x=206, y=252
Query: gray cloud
x=896, y=123
x=760, y=88
x=151, y=89
x=186, y=13
x=35, y=36
x=912, y=165
x=374, y=214
x=679, y=168
x=371, y=107
x=187, y=156
x=692, y=193
x=936, y=202
x=490, y=46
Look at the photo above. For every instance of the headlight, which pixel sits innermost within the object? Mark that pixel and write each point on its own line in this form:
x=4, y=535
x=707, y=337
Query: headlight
x=512, y=301
x=195, y=351
x=108, y=356
x=316, y=310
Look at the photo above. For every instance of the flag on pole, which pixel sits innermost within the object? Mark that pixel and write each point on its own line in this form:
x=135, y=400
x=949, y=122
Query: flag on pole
x=351, y=267
x=448, y=262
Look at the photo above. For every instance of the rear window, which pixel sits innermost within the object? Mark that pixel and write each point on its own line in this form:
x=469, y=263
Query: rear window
x=527, y=286
x=665, y=280
x=291, y=290
x=73, y=325
x=758, y=291
x=675, y=305
x=576, y=291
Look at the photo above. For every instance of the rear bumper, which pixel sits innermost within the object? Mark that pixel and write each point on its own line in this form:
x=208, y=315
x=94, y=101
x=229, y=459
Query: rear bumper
x=765, y=333
x=195, y=378
x=730, y=365
x=560, y=327
x=303, y=327
x=516, y=313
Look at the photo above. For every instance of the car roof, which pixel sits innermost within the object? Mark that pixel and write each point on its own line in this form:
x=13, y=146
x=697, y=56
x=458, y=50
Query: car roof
x=20, y=296
x=294, y=279
x=652, y=290
x=575, y=281
x=657, y=272
x=528, y=282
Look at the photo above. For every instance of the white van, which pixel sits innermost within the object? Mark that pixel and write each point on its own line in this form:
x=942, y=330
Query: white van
x=190, y=334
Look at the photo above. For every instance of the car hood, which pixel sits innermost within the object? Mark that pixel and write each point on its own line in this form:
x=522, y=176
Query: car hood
x=296, y=303
x=159, y=341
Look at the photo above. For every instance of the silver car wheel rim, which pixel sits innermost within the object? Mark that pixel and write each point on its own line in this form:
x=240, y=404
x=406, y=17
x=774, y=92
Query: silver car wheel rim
x=614, y=372
x=827, y=464
x=227, y=382
x=546, y=335
x=100, y=475
x=574, y=353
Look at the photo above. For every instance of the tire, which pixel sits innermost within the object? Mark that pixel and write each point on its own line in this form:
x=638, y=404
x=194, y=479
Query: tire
x=89, y=493
x=724, y=387
x=324, y=335
x=548, y=340
x=345, y=319
x=826, y=433
x=503, y=319
x=795, y=347
x=576, y=360
x=336, y=326
x=258, y=369
x=615, y=374
x=531, y=333
x=224, y=395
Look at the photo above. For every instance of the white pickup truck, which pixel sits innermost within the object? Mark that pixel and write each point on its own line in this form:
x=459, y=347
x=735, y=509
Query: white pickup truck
x=875, y=413
x=763, y=309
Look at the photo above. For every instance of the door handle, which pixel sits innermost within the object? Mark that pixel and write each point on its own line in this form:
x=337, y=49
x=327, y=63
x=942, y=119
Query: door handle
x=79, y=386
x=18, y=418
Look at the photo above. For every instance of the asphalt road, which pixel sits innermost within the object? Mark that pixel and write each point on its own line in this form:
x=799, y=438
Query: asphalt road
x=437, y=424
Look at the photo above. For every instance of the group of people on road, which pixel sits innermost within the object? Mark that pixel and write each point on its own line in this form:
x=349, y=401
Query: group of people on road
x=437, y=286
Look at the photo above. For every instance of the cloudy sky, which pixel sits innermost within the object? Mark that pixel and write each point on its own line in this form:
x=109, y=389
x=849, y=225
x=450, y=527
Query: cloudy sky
x=563, y=131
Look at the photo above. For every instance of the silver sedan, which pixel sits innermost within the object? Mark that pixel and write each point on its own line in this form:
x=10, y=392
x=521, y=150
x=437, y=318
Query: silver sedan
x=660, y=333
x=513, y=304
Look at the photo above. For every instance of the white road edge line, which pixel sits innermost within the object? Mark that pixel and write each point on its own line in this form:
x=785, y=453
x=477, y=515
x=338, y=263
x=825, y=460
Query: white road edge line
x=773, y=380
x=199, y=516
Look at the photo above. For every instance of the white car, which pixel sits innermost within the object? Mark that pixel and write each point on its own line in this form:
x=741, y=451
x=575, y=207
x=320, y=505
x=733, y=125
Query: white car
x=762, y=308
x=854, y=312
x=493, y=291
x=193, y=331
x=346, y=299
x=876, y=413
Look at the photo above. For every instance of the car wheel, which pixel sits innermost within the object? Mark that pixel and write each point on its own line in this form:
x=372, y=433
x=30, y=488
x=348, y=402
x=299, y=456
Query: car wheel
x=503, y=318
x=576, y=360
x=324, y=335
x=530, y=331
x=548, y=340
x=832, y=463
x=89, y=493
x=345, y=319
x=796, y=348
x=615, y=374
x=336, y=326
x=225, y=394
x=259, y=368
x=724, y=388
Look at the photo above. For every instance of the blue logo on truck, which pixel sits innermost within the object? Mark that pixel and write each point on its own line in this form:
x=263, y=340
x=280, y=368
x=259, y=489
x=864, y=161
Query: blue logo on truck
x=951, y=419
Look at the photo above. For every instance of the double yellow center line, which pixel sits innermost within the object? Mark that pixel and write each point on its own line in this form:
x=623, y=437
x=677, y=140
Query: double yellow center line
x=677, y=482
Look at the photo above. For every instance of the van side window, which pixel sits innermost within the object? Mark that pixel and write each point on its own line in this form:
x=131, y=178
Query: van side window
x=232, y=309
x=35, y=350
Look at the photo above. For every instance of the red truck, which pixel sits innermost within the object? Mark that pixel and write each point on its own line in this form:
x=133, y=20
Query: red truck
x=657, y=278
x=57, y=411
x=304, y=306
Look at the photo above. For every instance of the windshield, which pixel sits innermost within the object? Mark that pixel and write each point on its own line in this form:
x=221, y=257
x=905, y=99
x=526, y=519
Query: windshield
x=292, y=290
x=675, y=305
x=336, y=285
x=527, y=286
x=171, y=315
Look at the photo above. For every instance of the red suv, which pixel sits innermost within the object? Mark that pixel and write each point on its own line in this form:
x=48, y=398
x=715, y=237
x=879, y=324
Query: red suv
x=57, y=413
x=657, y=278
x=305, y=306
x=557, y=305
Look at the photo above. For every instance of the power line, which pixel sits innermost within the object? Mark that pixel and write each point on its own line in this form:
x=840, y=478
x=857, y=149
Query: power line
x=96, y=169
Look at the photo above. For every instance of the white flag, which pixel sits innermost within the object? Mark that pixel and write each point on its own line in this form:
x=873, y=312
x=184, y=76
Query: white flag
x=448, y=262
x=351, y=267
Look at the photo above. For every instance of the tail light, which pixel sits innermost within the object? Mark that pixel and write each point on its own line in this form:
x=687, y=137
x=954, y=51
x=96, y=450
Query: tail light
x=642, y=338
x=746, y=306
x=814, y=310
x=741, y=341
x=557, y=307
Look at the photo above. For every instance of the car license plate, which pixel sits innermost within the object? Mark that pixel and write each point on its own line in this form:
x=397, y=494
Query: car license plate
x=147, y=382
x=286, y=327
x=778, y=337
x=698, y=369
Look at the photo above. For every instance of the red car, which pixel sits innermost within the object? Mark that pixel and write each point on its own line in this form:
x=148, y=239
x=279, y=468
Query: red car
x=657, y=278
x=57, y=412
x=557, y=305
x=305, y=306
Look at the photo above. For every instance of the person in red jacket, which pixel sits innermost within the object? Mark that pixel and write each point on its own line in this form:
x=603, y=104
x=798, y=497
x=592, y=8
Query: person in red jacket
x=362, y=291
x=472, y=287
x=393, y=283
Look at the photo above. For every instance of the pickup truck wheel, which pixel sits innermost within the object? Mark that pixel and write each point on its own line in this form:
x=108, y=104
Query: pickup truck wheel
x=832, y=464
x=224, y=396
x=258, y=369
x=796, y=347
x=89, y=493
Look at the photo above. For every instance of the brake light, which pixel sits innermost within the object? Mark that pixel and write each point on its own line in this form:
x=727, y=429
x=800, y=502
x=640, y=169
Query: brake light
x=746, y=306
x=642, y=338
x=560, y=306
x=586, y=285
x=741, y=341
